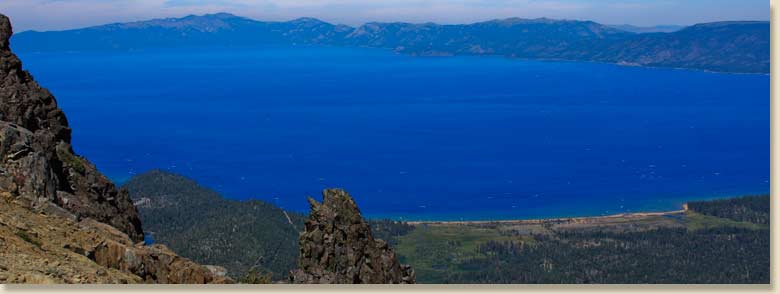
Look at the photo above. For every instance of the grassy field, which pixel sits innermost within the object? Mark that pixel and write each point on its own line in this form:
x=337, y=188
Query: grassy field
x=436, y=249
x=697, y=221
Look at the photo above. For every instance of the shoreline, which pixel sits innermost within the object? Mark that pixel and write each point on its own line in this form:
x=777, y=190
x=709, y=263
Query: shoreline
x=413, y=54
x=548, y=220
x=679, y=206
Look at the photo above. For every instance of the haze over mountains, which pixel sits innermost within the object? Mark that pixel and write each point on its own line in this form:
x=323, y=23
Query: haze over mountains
x=650, y=29
x=723, y=46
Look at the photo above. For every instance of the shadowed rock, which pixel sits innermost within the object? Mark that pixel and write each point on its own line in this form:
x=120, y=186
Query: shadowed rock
x=337, y=247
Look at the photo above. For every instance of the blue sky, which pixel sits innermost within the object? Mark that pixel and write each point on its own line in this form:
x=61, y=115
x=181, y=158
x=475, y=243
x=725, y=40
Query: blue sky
x=65, y=14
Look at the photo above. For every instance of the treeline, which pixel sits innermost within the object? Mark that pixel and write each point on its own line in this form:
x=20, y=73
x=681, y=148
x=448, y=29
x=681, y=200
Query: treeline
x=754, y=209
x=666, y=255
x=389, y=230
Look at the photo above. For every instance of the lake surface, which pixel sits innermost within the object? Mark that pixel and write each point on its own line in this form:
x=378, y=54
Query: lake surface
x=417, y=137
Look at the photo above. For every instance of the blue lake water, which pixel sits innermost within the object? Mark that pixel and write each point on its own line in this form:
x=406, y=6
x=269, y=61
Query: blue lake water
x=418, y=137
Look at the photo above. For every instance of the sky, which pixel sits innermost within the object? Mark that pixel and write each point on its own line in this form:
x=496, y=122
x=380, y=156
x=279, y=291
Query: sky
x=67, y=14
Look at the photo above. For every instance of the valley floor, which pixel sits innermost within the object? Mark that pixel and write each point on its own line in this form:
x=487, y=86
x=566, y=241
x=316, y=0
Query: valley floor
x=684, y=246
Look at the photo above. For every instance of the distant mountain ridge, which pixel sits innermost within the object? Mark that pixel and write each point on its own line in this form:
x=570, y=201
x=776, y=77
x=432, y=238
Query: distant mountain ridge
x=722, y=46
x=649, y=29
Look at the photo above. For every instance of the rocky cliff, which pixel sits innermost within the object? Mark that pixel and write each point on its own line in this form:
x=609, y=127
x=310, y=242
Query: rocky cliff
x=337, y=247
x=62, y=221
x=37, y=163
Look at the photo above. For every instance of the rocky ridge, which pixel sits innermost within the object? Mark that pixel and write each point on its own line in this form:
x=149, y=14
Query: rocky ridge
x=337, y=247
x=62, y=221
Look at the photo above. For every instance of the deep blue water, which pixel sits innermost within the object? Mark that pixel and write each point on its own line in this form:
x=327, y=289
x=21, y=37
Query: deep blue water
x=418, y=137
x=148, y=239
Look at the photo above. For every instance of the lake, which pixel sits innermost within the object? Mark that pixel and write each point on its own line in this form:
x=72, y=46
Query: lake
x=417, y=137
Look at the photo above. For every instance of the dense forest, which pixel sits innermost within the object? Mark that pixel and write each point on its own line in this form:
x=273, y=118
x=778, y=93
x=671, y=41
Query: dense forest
x=667, y=255
x=754, y=209
x=253, y=240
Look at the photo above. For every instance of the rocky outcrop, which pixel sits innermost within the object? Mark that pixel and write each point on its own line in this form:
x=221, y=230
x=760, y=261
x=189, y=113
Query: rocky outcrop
x=62, y=221
x=37, y=163
x=337, y=247
x=154, y=264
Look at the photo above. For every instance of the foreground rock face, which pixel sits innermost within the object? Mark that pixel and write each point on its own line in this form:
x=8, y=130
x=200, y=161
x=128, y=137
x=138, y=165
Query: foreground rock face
x=337, y=247
x=39, y=249
x=38, y=165
x=61, y=221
